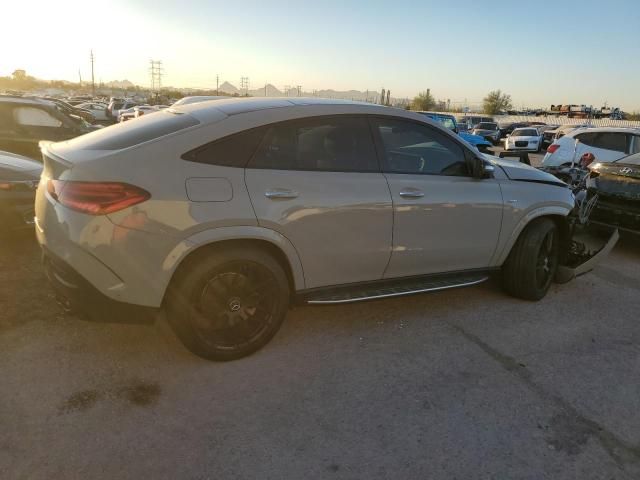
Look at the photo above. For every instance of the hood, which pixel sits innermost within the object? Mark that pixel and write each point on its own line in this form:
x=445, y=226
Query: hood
x=523, y=172
x=473, y=139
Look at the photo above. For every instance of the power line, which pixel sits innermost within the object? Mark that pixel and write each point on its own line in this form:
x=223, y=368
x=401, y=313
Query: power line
x=156, y=72
x=299, y=88
x=93, y=83
x=244, y=85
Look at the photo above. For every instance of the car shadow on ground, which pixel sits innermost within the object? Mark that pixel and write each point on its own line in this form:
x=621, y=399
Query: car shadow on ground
x=28, y=297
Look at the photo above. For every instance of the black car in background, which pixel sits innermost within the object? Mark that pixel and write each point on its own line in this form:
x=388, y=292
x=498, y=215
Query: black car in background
x=25, y=121
x=19, y=177
x=508, y=128
x=617, y=185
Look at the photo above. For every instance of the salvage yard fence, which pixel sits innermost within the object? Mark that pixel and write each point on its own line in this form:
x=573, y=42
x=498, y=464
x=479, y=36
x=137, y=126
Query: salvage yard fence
x=559, y=120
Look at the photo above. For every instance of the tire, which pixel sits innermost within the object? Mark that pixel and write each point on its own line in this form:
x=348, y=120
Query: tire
x=226, y=304
x=533, y=261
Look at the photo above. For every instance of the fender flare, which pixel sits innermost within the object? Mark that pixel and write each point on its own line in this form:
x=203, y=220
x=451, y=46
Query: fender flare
x=215, y=235
x=555, y=210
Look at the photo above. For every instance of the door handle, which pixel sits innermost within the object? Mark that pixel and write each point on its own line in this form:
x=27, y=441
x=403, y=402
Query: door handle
x=411, y=193
x=278, y=193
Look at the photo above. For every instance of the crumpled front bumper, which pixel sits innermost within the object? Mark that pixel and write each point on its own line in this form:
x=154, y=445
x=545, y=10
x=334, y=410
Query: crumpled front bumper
x=582, y=260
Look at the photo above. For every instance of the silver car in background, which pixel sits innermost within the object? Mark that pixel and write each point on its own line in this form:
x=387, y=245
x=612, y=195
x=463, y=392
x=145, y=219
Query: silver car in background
x=489, y=130
x=224, y=213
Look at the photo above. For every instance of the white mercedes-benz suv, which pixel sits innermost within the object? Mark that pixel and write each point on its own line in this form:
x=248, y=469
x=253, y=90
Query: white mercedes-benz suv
x=224, y=213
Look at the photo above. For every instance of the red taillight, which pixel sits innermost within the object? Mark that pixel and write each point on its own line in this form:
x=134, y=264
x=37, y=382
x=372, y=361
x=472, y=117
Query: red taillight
x=552, y=148
x=96, y=198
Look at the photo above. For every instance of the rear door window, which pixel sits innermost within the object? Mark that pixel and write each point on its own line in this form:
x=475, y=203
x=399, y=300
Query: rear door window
x=336, y=144
x=35, y=117
x=611, y=141
x=586, y=138
x=232, y=151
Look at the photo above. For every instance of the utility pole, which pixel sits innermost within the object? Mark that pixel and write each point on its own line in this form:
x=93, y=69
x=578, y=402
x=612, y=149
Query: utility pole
x=299, y=88
x=217, y=84
x=93, y=83
x=156, y=76
x=244, y=85
x=80, y=77
x=286, y=89
x=265, y=89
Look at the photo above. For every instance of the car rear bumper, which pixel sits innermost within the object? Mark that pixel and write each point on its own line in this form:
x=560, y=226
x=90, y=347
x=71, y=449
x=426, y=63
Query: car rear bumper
x=122, y=263
x=77, y=295
x=617, y=216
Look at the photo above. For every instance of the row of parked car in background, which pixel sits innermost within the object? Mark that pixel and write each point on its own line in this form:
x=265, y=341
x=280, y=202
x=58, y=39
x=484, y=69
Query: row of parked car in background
x=26, y=120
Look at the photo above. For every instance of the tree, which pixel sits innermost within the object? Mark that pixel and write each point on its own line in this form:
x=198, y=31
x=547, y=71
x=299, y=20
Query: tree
x=496, y=102
x=19, y=74
x=423, y=101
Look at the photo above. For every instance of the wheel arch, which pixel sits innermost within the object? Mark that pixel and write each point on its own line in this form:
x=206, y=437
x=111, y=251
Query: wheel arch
x=559, y=215
x=251, y=237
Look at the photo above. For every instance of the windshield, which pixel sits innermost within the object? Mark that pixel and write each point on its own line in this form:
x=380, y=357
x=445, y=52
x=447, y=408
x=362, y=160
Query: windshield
x=525, y=132
x=487, y=126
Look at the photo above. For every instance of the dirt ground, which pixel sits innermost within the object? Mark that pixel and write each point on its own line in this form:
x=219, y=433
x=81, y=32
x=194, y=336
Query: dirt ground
x=468, y=384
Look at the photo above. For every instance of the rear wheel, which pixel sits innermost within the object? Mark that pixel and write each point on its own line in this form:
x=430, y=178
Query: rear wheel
x=229, y=303
x=533, y=261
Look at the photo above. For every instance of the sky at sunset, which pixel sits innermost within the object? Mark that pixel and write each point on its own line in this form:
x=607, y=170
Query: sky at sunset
x=541, y=52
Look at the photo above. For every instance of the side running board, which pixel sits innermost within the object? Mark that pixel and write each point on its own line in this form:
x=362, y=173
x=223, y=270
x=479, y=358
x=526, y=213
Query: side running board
x=391, y=288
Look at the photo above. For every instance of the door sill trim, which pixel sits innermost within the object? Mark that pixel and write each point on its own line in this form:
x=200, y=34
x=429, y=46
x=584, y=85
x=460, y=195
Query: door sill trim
x=396, y=294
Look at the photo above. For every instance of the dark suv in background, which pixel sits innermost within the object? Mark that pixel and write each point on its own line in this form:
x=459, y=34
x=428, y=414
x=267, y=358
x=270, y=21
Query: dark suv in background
x=26, y=121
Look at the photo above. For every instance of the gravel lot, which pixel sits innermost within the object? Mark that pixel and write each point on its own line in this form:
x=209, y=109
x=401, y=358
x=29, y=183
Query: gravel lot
x=466, y=384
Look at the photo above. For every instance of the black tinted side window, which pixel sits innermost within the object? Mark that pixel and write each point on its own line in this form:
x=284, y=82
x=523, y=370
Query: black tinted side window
x=322, y=144
x=232, y=151
x=611, y=141
x=586, y=138
x=414, y=148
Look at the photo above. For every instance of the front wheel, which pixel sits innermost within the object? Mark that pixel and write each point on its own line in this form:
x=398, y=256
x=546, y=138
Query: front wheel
x=228, y=303
x=533, y=261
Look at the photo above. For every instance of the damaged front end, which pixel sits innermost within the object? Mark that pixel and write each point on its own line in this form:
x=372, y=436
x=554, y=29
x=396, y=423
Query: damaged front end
x=586, y=244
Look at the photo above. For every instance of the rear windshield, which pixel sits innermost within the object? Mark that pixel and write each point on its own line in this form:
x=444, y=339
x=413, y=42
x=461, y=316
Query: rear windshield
x=487, y=126
x=134, y=132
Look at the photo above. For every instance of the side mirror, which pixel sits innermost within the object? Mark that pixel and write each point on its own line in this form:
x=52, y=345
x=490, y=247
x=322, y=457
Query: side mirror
x=487, y=170
x=482, y=168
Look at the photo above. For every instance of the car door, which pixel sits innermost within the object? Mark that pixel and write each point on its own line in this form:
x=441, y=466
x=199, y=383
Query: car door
x=317, y=181
x=444, y=219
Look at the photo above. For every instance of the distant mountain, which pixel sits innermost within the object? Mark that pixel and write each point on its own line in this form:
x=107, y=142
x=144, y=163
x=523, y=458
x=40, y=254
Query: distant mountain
x=269, y=89
x=272, y=91
x=226, y=87
x=120, y=84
